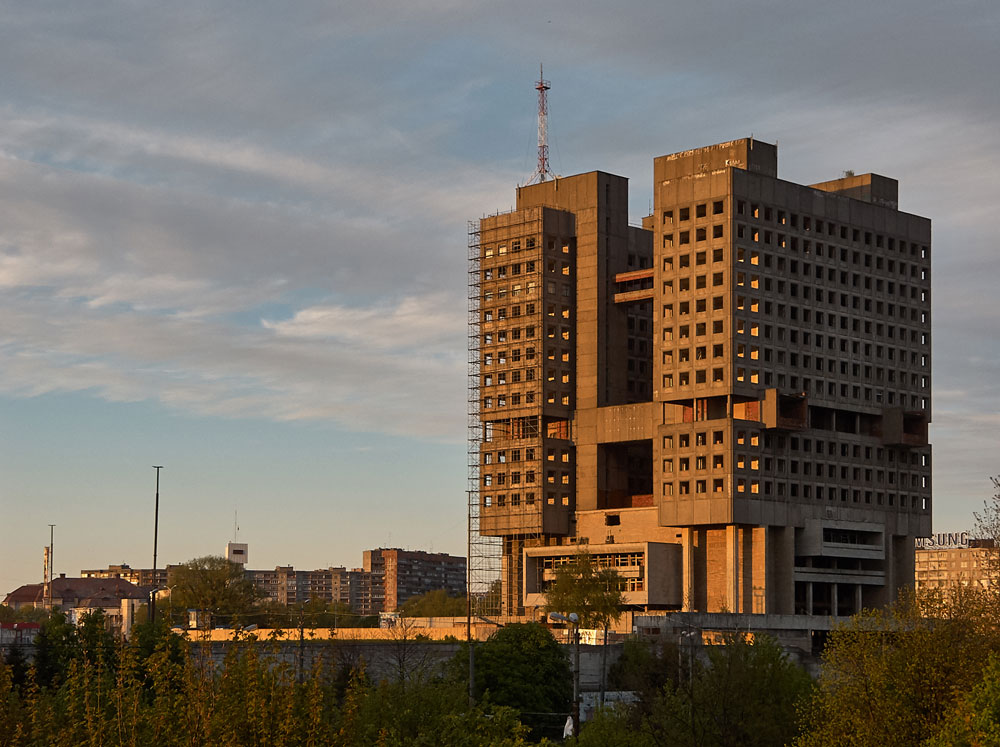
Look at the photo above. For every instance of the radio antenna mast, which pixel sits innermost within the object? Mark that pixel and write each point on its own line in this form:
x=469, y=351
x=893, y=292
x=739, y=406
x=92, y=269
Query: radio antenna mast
x=542, y=171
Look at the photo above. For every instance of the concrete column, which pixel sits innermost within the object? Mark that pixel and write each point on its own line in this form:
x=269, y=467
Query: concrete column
x=760, y=580
x=687, y=569
x=834, y=607
x=809, y=597
x=780, y=577
x=857, y=598
x=732, y=568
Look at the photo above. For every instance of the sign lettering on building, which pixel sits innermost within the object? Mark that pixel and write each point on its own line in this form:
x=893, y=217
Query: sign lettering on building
x=943, y=541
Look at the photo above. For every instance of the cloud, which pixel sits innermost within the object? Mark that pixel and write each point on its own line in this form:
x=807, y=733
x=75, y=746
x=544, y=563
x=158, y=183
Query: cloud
x=360, y=382
x=412, y=323
x=261, y=212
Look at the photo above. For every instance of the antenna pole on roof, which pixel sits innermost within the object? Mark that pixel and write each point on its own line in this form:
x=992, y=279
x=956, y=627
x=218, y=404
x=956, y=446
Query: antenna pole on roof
x=542, y=171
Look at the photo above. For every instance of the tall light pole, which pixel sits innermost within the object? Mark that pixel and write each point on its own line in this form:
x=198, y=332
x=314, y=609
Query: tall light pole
x=52, y=572
x=574, y=620
x=302, y=639
x=156, y=533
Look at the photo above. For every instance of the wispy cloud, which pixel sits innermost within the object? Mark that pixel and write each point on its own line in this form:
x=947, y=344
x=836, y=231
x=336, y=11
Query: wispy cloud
x=260, y=212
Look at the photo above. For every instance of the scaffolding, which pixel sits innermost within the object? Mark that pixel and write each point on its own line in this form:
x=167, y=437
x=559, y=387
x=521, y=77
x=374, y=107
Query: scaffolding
x=512, y=502
x=484, y=553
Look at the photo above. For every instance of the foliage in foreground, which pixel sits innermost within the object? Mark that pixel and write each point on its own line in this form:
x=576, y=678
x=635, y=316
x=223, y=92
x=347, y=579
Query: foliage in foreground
x=436, y=603
x=924, y=671
x=172, y=695
x=907, y=675
x=522, y=667
x=745, y=693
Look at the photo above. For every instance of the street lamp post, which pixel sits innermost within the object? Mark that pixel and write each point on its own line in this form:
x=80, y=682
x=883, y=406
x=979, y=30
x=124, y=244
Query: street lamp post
x=688, y=638
x=156, y=534
x=52, y=571
x=302, y=639
x=574, y=620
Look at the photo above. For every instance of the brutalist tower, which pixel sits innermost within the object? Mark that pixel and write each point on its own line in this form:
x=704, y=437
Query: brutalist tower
x=728, y=405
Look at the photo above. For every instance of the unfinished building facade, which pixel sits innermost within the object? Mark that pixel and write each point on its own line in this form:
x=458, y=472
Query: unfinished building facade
x=728, y=405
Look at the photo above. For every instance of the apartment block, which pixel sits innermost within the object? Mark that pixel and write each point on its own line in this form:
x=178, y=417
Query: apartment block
x=387, y=578
x=286, y=585
x=958, y=560
x=729, y=404
x=137, y=576
x=397, y=575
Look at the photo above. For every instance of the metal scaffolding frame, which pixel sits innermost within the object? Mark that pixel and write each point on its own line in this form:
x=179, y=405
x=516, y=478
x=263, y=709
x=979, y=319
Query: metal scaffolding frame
x=484, y=553
x=496, y=561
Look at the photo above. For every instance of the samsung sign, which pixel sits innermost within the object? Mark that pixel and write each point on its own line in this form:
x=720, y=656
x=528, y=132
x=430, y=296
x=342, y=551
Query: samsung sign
x=943, y=541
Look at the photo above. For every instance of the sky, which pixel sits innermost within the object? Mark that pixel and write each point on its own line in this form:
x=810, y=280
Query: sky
x=233, y=238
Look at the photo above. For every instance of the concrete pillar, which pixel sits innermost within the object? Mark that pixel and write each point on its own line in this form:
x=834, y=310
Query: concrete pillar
x=780, y=577
x=857, y=598
x=732, y=568
x=759, y=579
x=834, y=607
x=687, y=569
x=809, y=597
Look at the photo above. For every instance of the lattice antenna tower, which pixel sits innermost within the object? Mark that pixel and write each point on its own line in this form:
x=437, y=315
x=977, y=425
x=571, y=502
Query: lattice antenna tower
x=542, y=171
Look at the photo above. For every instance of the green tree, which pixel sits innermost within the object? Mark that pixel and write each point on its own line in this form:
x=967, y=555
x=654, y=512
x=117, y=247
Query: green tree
x=976, y=718
x=430, y=714
x=747, y=694
x=23, y=614
x=615, y=727
x=10, y=706
x=523, y=667
x=594, y=594
x=214, y=584
x=55, y=647
x=988, y=528
x=94, y=637
x=743, y=693
x=435, y=603
x=316, y=613
x=892, y=676
x=644, y=667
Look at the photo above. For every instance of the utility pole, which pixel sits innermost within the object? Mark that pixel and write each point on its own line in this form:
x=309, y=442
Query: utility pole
x=468, y=610
x=576, y=668
x=574, y=620
x=156, y=533
x=52, y=572
x=302, y=640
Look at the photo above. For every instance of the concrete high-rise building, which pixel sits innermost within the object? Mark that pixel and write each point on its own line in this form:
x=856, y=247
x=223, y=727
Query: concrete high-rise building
x=729, y=405
x=398, y=575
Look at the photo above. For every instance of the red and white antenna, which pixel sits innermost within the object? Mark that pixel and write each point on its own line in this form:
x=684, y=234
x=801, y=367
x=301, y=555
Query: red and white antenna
x=542, y=172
